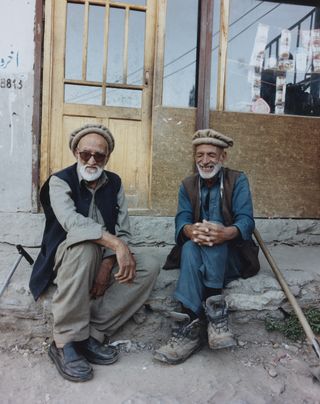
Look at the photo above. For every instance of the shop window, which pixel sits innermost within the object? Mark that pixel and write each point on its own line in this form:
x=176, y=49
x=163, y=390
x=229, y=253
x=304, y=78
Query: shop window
x=273, y=59
x=179, y=78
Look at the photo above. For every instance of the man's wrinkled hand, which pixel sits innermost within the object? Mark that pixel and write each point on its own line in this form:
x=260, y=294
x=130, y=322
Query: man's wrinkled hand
x=126, y=262
x=209, y=234
x=206, y=233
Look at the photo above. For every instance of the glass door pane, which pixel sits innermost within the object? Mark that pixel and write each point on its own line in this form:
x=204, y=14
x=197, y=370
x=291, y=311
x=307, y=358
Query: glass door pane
x=115, y=45
x=137, y=26
x=95, y=43
x=74, y=42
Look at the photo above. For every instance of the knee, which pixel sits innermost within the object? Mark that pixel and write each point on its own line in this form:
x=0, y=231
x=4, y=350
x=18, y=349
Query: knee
x=153, y=266
x=85, y=249
x=87, y=253
x=149, y=265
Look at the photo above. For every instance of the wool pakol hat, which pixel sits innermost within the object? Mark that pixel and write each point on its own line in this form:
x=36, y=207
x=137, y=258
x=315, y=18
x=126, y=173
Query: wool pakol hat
x=210, y=136
x=77, y=134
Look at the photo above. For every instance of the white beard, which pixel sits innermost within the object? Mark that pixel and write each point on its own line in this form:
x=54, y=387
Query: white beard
x=89, y=173
x=207, y=176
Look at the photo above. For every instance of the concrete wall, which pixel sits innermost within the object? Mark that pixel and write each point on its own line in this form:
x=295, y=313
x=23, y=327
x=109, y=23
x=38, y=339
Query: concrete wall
x=280, y=155
x=16, y=103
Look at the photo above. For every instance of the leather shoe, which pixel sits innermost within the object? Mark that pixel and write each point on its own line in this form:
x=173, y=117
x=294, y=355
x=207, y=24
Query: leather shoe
x=70, y=363
x=98, y=353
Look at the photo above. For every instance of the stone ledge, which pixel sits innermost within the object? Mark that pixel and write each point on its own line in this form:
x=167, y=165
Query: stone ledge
x=250, y=299
x=26, y=229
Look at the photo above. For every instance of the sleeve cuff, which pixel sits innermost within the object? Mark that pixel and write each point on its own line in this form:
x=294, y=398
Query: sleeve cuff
x=79, y=235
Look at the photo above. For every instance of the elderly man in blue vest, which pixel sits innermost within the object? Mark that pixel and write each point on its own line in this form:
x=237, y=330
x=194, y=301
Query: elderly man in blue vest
x=214, y=225
x=100, y=282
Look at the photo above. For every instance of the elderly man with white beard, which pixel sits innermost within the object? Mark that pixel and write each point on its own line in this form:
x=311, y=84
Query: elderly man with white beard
x=214, y=225
x=100, y=282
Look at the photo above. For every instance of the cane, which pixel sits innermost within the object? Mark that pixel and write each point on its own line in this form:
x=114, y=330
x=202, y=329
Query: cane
x=297, y=309
x=23, y=253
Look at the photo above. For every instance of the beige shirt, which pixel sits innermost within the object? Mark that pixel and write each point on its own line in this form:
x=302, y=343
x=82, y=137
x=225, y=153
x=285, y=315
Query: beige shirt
x=80, y=228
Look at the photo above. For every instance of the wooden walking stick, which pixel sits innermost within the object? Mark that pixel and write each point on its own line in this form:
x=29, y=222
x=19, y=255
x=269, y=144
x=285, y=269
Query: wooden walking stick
x=293, y=301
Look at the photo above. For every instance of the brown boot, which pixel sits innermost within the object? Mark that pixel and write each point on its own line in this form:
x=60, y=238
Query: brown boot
x=185, y=341
x=219, y=335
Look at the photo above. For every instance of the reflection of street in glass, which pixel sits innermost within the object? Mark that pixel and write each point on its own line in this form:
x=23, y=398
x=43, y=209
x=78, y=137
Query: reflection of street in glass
x=289, y=56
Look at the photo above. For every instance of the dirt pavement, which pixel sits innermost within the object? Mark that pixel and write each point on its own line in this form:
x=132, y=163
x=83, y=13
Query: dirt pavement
x=263, y=368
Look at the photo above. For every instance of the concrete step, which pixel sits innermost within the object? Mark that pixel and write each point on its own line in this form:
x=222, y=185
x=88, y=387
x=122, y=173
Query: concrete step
x=250, y=299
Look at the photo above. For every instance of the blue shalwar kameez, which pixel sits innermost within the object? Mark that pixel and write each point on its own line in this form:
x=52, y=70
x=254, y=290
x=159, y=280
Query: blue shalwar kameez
x=210, y=267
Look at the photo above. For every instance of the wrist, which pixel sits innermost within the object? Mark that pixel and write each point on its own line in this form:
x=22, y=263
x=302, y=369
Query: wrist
x=231, y=232
x=187, y=230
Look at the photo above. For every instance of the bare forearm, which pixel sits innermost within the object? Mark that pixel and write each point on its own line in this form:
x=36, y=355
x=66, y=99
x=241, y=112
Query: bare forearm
x=126, y=262
x=230, y=233
x=109, y=240
x=188, y=230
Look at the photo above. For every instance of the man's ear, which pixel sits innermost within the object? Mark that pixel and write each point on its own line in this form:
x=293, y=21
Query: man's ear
x=107, y=159
x=223, y=156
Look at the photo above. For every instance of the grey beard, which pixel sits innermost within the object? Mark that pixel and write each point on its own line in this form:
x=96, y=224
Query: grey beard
x=207, y=176
x=87, y=176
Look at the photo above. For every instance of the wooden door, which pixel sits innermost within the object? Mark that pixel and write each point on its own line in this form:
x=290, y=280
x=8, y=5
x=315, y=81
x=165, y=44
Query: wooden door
x=98, y=67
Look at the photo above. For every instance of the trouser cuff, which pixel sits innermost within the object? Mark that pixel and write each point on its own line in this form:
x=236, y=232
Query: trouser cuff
x=64, y=339
x=186, y=303
x=98, y=335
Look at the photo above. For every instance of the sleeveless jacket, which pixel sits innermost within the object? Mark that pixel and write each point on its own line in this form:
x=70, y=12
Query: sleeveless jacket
x=191, y=185
x=54, y=234
x=248, y=251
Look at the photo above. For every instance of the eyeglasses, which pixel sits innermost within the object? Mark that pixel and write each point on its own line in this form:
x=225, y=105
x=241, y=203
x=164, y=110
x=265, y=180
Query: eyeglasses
x=86, y=156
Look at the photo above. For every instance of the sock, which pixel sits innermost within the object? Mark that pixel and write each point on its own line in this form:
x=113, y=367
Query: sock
x=212, y=292
x=190, y=313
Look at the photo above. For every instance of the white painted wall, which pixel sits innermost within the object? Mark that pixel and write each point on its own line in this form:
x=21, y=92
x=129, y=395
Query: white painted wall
x=16, y=103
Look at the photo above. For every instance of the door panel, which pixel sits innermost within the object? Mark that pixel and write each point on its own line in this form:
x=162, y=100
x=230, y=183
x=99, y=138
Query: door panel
x=98, y=68
x=126, y=160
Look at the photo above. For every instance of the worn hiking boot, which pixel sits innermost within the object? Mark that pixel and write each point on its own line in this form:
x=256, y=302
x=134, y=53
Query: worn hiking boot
x=219, y=335
x=186, y=339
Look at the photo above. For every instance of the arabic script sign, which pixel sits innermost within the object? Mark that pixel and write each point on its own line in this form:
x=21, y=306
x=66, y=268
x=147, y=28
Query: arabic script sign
x=12, y=57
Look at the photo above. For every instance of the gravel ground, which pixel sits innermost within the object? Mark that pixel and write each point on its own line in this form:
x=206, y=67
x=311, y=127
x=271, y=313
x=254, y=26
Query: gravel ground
x=263, y=368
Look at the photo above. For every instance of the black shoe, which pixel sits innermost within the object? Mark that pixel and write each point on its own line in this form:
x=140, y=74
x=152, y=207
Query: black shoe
x=95, y=352
x=70, y=364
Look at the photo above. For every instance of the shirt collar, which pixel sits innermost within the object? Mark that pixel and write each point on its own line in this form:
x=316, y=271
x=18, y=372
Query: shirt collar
x=216, y=179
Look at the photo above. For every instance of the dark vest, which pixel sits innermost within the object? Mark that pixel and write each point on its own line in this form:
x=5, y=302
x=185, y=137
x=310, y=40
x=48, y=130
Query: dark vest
x=54, y=234
x=191, y=185
x=246, y=249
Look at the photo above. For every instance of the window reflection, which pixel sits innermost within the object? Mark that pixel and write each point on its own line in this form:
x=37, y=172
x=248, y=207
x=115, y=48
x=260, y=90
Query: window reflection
x=273, y=58
x=115, y=45
x=73, y=58
x=95, y=43
x=78, y=86
x=180, y=53
x=135, y=49
x=76, y=94
x=123, y=98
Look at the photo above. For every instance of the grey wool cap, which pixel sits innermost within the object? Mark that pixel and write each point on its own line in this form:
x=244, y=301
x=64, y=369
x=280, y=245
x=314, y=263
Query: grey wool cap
x=211, y=136
x=77, y=134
